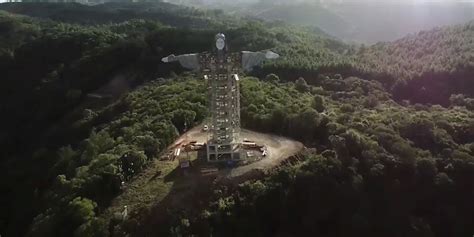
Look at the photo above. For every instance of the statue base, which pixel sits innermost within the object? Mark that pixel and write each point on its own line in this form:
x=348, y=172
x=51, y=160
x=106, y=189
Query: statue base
x=223, y=152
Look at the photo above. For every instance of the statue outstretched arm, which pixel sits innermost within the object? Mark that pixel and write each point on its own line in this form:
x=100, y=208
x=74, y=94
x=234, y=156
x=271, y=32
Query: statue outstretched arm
x=252, y=59
x=189, y=61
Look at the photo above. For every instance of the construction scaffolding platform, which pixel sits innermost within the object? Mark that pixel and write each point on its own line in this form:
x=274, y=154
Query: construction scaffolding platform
x=224, y=98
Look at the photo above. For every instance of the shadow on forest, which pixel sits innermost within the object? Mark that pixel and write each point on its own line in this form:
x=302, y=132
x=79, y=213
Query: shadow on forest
x=189, y=192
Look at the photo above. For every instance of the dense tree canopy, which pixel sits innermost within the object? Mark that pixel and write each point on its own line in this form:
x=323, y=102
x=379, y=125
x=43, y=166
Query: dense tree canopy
x=87, y=105
x=380, y=170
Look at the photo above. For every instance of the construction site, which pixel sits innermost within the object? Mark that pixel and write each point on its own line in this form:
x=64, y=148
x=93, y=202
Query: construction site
x=221, y=141
x=258, y=151
x=183, y=170
x=218, y=150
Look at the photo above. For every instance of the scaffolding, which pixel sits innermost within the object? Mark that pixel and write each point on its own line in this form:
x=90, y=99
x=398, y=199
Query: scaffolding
x=221, y=70
x=224, y=106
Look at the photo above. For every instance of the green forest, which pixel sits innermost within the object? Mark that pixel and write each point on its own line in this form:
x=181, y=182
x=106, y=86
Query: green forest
x=87, y=105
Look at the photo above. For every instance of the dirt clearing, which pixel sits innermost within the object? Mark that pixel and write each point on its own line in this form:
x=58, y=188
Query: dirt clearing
x=162, y=183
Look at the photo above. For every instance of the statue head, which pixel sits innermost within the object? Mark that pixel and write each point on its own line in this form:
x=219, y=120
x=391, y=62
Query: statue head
x=220, y=41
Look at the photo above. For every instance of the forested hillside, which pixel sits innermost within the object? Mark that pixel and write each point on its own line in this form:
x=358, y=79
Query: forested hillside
x=403, y=66
x=426, y=67
x=87, y=104
x=381, y=169
x=114, y=12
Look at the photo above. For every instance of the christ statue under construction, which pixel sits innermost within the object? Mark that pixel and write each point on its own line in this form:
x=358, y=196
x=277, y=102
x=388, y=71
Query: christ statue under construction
x=221, y=68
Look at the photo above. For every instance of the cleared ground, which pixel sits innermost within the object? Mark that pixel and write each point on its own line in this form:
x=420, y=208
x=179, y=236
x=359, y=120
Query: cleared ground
x=162, y=184
x=279, y=148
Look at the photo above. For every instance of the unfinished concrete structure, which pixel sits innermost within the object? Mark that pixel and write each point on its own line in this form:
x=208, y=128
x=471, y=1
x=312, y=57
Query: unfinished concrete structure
x=221, y=70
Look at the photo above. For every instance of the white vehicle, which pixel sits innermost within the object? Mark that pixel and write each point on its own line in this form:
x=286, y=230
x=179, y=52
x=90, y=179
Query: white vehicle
x=205, y=128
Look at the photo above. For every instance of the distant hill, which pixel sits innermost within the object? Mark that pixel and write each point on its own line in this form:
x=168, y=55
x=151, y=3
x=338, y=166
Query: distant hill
x=114, y=12
x=355, y=21
x=426, y=67
x=304, y=15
